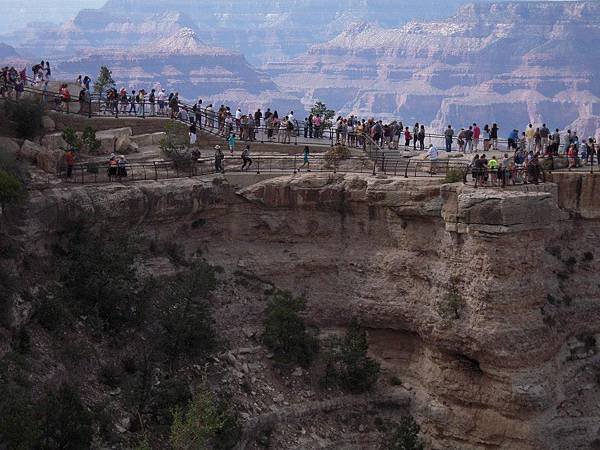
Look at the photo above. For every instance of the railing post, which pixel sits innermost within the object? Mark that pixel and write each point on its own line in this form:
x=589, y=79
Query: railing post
x=155, y=171
x=144, y=108
x=383, y=162
x=374, y=165
x=257, y=166
x=90, y=106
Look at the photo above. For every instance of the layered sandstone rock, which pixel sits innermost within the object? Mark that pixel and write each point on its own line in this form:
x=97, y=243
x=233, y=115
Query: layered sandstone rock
x=480, y=301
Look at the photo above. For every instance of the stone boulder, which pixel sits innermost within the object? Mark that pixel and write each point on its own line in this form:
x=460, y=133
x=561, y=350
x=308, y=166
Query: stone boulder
x=50, y=161
x=9, y=145
x=54, y=141
x=48, y=123
x=157, y=137
x=29, y=151
x=116, y=140
x=142, y=140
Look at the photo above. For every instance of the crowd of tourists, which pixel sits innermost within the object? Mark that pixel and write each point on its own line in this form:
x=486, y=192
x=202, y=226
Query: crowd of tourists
x=520, y=164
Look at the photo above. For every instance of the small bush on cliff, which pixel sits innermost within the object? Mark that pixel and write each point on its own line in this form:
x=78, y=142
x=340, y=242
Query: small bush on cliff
x=205, y=423
x=89, y=141
x=98, y=277
x=285, y=331
x=26, y=117
x=454, y=176
x=186, y=320
x=67, y=423
x=403, y=436
x=347, y=363
x=11, y=189
x=71, y=138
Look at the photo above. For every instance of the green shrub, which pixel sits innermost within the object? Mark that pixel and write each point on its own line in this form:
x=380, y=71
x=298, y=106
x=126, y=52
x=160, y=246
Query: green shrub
x=99, y=278
x=403, y=436
x=454, y=176
x=67, y=423
x=347, y=362
x=11, y=189
x=186, y=320
x=89, y=141
x=71, y=138
x=285, y=331
x=204, y=423
x=26, y=117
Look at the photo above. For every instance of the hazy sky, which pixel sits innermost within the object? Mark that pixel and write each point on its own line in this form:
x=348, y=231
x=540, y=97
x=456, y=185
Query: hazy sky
x=23, y=12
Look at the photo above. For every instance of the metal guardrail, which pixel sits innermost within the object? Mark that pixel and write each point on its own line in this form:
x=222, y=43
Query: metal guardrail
x=90, y=172
x=208, y=120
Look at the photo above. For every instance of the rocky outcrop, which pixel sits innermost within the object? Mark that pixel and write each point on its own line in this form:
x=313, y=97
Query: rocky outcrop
x=447, y=71
x=480, y=301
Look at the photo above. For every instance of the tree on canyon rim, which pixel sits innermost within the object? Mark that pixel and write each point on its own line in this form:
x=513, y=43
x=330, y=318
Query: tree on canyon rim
x=104, y=81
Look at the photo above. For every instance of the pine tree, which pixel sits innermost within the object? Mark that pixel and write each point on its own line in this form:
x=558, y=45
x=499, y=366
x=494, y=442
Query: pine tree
x=104, y=81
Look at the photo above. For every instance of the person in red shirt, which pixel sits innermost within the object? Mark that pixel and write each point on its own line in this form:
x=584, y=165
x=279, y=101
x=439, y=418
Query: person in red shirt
x=70, y=162
x=476, y=134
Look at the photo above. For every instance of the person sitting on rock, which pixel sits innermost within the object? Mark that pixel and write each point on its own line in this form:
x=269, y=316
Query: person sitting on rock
x=219, y=157
x=247, y=161
x=122, y=167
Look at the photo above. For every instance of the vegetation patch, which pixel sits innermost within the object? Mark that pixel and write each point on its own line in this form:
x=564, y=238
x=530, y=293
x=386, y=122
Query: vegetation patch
x=347, y=363
x=285, y=331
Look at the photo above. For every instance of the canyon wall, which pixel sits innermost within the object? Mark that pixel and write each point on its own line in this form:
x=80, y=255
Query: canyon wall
x=483, y=302
x=512, y=63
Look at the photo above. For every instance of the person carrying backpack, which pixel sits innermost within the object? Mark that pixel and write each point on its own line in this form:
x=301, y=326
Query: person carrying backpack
x=246, y=158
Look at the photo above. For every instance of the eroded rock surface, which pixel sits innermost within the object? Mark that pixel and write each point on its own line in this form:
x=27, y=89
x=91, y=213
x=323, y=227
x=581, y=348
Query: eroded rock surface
x=483, y=302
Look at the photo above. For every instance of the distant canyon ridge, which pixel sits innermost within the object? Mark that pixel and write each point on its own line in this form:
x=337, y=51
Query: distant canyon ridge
x=505, y=62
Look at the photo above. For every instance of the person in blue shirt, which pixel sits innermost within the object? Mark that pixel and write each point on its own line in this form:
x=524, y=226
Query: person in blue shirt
x=513, y=139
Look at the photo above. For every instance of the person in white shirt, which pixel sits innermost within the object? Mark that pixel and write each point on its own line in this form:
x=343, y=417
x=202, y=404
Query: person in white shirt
x=161, y=101
x=291, y=116
x=432, y=155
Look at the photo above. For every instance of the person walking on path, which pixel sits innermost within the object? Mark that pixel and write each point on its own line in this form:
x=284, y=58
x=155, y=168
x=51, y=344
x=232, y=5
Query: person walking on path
x=219, y=157
x=306, y=155
x=247, y=161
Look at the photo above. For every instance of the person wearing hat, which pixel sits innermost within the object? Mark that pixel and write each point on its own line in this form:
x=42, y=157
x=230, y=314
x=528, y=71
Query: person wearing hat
x=219, y=157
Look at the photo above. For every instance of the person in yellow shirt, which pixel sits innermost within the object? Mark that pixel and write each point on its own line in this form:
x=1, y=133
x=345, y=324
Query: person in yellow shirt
x=530, y=135
x=493, y=169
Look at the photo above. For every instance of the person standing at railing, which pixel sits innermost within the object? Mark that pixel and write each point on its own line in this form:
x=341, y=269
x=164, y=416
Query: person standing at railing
x=415, y=133
x=86, y=82
x=210, y=116
x=161, y=101
x=174, y=105
x=476, y=136
x=258, y=117
x=449, y=134
x=48, y=71
x=70, y=162
x=513, y=137
x=494, y=136
x=407, y=138
x=422, y=138
x=112, y=167
x=122, y=167
x=141, y=99
x=317, y=126
x=555, y=142
x=544, y=134
x=199, y=112
x=132, y=101
x=65, y=96
x=504, y=170
x=469, y=139
x=152, y=101
x=530, y=135
x=493, y=169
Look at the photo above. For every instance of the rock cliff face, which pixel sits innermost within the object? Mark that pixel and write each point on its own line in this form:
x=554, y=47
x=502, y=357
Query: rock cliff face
x=182, y=63
x=262, y=30
x=511, y=63
x=482, y=302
